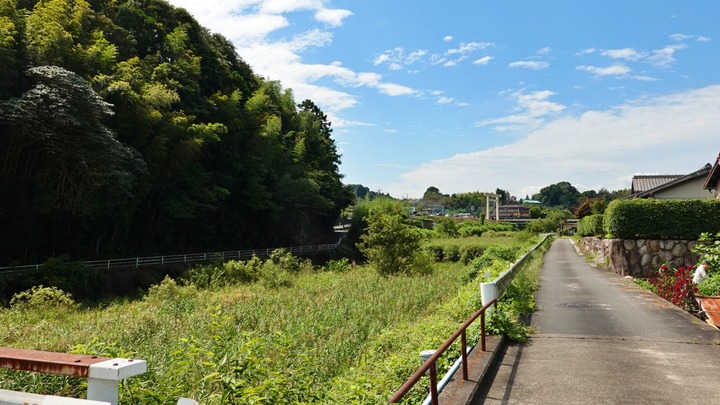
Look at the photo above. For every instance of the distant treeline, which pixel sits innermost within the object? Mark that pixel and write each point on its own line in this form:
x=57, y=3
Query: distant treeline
x=126, y=128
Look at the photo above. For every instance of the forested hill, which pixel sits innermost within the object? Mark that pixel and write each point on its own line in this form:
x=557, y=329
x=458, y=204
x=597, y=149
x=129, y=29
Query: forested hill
x=126, y=128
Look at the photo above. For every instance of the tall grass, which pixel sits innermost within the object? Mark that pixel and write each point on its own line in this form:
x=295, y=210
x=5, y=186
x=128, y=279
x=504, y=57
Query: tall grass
x=332, y=337
x=283, y=343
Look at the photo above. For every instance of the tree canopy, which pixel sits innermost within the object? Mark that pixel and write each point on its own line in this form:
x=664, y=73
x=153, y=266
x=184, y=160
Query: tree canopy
x=127, y=128
x=561, y=194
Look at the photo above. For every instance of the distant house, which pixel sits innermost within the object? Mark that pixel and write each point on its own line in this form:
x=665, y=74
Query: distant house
x=712, y=181
x=672, y=186
x=513, y=211
x=569, y=226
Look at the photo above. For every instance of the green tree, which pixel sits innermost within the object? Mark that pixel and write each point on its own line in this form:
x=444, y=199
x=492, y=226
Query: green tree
x=225, y=159
x=68, y=166
x=551, y=223
x=504, y=196
x=80, y=161
x=9, y=62
x=392, y=246
x=561, y=194
x=468, y=202
x=536, y=212
x=447, y=226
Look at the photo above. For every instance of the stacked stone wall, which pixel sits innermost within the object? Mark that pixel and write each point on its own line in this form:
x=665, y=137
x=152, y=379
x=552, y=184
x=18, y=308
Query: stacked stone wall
x=639, y=257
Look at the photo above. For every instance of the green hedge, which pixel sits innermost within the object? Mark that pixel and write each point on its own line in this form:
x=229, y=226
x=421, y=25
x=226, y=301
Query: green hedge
x=591, y=225
x=661, y=219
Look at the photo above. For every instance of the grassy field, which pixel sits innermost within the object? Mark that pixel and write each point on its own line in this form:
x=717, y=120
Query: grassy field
x=331, y=337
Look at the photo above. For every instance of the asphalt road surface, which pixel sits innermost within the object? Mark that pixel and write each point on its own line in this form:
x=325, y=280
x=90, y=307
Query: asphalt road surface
x=600, y=339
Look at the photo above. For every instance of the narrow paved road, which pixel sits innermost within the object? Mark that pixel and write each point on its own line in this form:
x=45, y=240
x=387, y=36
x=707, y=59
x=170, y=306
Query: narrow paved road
x=600, y=339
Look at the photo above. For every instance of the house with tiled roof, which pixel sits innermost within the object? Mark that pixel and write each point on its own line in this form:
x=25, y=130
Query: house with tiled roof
x=672, y=186
x=712, y=181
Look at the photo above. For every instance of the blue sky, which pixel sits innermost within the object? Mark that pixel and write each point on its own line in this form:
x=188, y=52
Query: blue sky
x=476, y=95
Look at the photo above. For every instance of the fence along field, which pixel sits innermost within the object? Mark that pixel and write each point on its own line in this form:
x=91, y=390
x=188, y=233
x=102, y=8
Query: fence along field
x=326, y=337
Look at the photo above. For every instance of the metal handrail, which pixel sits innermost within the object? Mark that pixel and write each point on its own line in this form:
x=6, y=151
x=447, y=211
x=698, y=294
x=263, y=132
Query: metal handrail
x=429, y=364
x=137, y=262
x=502, y=281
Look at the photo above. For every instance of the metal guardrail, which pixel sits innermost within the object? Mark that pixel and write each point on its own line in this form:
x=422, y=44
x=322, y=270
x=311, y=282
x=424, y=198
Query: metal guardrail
x=506, y=278
x=137, y=262
x=497, y=288
x=429, y=364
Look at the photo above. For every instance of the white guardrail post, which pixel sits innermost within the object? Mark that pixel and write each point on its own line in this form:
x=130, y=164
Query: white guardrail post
x=492, y=289
x=104, y=377
x=23, y=398
x=488, y=292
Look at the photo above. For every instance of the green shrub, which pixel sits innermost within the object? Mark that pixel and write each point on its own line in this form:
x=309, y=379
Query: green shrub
x=451, y=253
x=646, y=284
x=72, y=276
x=392, y=246
x=478, y=228
x=471, y=252
x=508, y=253
x=661, y=219
x=243, y=271
x=361, y=211
x=708, y=247
x=43, y=298
x=436, y=252
x=206, y=275
x=591, y=225
x=446, y=226
x=338, y=266
x=471, y=228
x=710, y=286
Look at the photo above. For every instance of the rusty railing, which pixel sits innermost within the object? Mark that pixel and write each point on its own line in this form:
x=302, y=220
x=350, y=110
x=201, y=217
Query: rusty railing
x=429, y=364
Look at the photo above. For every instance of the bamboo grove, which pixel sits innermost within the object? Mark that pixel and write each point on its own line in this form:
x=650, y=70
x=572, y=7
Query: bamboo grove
x=126, y=128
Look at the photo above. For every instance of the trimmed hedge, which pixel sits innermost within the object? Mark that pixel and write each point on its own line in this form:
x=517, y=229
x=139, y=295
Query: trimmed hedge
x=591, y=225
x=661, y=219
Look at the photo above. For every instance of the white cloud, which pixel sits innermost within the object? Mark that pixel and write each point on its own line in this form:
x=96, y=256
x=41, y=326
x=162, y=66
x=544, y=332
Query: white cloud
x=444, y=100
x=586, y=51
x=381, y=59
x=248, y=23
x=448, y=38
x=613, y=70
x=644, y=78
x=624, y=53
x=333, y=18
x=436, y=59
x=392, y=89
x=396, y=59
x=284, y=6
x=703, y=39
x=483, y=61
x=597, y=148
x=680, y=37
x=665, y=57
x=469, y=47
x=533, y=107
x=415, y=56
x=544, y=51
x=527, y=64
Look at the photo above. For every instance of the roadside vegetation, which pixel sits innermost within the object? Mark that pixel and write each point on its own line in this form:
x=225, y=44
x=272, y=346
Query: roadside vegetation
x=282, y=330
x=665, y=219
x=675, y=283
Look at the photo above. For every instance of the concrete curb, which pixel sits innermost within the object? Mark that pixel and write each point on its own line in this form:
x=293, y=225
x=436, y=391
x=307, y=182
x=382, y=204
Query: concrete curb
x=458, y=391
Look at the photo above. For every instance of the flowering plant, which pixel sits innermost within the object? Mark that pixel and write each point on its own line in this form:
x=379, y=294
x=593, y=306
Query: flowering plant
x=675, y=285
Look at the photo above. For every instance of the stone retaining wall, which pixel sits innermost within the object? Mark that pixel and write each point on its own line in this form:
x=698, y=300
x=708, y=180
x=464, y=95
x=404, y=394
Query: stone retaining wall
x=638, y=257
